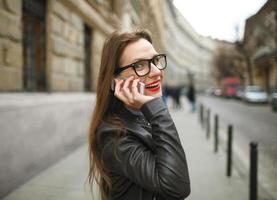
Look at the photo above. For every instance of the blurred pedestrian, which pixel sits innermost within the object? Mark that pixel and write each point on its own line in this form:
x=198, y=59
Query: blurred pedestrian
x=191, y=96
x=134, y=147
x=177, y=97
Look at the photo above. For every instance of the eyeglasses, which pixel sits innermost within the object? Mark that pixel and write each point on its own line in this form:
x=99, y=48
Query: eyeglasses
x=143, y=66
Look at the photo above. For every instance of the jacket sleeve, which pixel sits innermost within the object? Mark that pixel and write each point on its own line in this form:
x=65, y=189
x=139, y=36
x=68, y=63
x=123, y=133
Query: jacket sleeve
x=163, y=171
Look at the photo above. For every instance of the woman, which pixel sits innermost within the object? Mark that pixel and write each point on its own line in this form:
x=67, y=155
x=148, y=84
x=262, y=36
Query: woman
x=135, y=151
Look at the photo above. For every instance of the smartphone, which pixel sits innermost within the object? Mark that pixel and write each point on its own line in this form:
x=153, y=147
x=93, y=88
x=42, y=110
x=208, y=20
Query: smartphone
x=140, y=86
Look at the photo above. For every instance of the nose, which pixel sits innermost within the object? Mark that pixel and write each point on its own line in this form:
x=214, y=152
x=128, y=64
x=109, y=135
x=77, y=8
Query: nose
x=154, y=71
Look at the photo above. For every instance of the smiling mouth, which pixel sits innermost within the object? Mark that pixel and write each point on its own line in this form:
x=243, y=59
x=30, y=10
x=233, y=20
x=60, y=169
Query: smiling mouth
x=153, y=87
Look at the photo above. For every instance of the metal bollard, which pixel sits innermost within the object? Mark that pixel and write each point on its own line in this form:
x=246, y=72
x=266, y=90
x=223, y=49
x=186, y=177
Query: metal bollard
x=253, y=192
x=216, y=133
x=204, y=118
x=201, y=114
x=229, y=150
x=208, y=125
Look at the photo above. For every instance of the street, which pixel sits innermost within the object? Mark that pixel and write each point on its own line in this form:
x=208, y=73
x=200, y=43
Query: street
x=65, y=179
x=251, y=122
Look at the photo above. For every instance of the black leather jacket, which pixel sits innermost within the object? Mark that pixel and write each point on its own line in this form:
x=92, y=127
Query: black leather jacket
x=150, y=162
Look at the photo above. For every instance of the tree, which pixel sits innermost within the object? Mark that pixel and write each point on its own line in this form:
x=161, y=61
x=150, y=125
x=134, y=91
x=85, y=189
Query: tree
x=228, y=62
x=247, y=60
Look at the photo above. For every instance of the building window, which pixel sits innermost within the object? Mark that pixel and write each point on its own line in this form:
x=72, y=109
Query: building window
x=34, y=73
x=88, y=52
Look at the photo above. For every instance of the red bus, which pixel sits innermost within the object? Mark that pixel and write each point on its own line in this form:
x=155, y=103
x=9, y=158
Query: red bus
x=230, y=86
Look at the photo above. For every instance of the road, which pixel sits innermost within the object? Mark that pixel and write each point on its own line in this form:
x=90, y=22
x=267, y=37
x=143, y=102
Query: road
x=255, y=122
x=251, y=122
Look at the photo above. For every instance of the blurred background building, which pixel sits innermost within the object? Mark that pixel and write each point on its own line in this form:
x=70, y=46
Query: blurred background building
x=48, y=45
x=190, y=55
x=259, y=46
x=55, y=45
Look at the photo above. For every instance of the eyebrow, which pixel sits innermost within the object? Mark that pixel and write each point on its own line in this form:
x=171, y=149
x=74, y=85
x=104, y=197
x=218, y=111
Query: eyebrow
x=139, y=59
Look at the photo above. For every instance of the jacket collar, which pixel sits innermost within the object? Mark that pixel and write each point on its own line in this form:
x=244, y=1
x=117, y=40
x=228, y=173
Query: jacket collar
x=134, y=112
x=134, y=116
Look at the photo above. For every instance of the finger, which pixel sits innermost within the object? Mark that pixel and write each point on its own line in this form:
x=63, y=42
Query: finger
x=126, y=88
x=127, y=82
x=118, y=92
x=118, y=84
x=127, y=93
x=135, y=91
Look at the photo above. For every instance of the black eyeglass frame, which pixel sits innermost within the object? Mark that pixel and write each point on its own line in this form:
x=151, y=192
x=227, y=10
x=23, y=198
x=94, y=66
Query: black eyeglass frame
x=120, y=69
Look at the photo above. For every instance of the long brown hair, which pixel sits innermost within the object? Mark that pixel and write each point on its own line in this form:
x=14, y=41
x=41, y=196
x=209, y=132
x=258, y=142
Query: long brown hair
x=107, y=105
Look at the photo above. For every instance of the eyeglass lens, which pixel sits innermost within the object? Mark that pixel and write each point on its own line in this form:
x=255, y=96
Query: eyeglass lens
x=143, y=67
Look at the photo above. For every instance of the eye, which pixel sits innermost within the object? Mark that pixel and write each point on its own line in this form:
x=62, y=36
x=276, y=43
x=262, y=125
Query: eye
x=141, y=65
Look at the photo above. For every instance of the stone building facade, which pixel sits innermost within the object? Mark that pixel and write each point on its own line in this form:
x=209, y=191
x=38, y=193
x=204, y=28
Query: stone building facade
x=153, y=19
x=55, y=45
x=260, y=45
x=11, y=59
x=190, y=55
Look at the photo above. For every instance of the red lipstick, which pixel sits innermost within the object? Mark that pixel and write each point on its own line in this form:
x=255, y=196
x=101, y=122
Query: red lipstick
x=154, y=86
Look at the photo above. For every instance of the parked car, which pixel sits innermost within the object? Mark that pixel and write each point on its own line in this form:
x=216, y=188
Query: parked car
x=274, y=99
x=255, y=94
x=240, y=92
x=217, y=92
x=209, y=91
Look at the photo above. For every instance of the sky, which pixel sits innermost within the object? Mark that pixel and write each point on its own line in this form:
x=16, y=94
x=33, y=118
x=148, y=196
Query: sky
x=218, y=18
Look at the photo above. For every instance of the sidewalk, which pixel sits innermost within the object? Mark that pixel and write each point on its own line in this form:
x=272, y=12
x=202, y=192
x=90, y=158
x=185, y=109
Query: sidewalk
x=207, y=169
x=65, y=179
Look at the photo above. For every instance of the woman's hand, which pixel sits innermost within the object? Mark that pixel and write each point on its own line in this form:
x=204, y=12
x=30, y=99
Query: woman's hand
x=127, y=92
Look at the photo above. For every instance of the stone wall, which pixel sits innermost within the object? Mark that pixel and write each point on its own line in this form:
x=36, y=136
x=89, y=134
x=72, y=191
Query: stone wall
x=65, y=50
x=65, y=55
x=11, y=59
x=152, y=19
x=64, y=44
x=98, y=41
x=36, y=130
x=149, y=15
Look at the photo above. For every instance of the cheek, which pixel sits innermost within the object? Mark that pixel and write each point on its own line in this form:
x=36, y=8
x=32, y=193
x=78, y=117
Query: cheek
x=128, y=73
x=144, y=79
